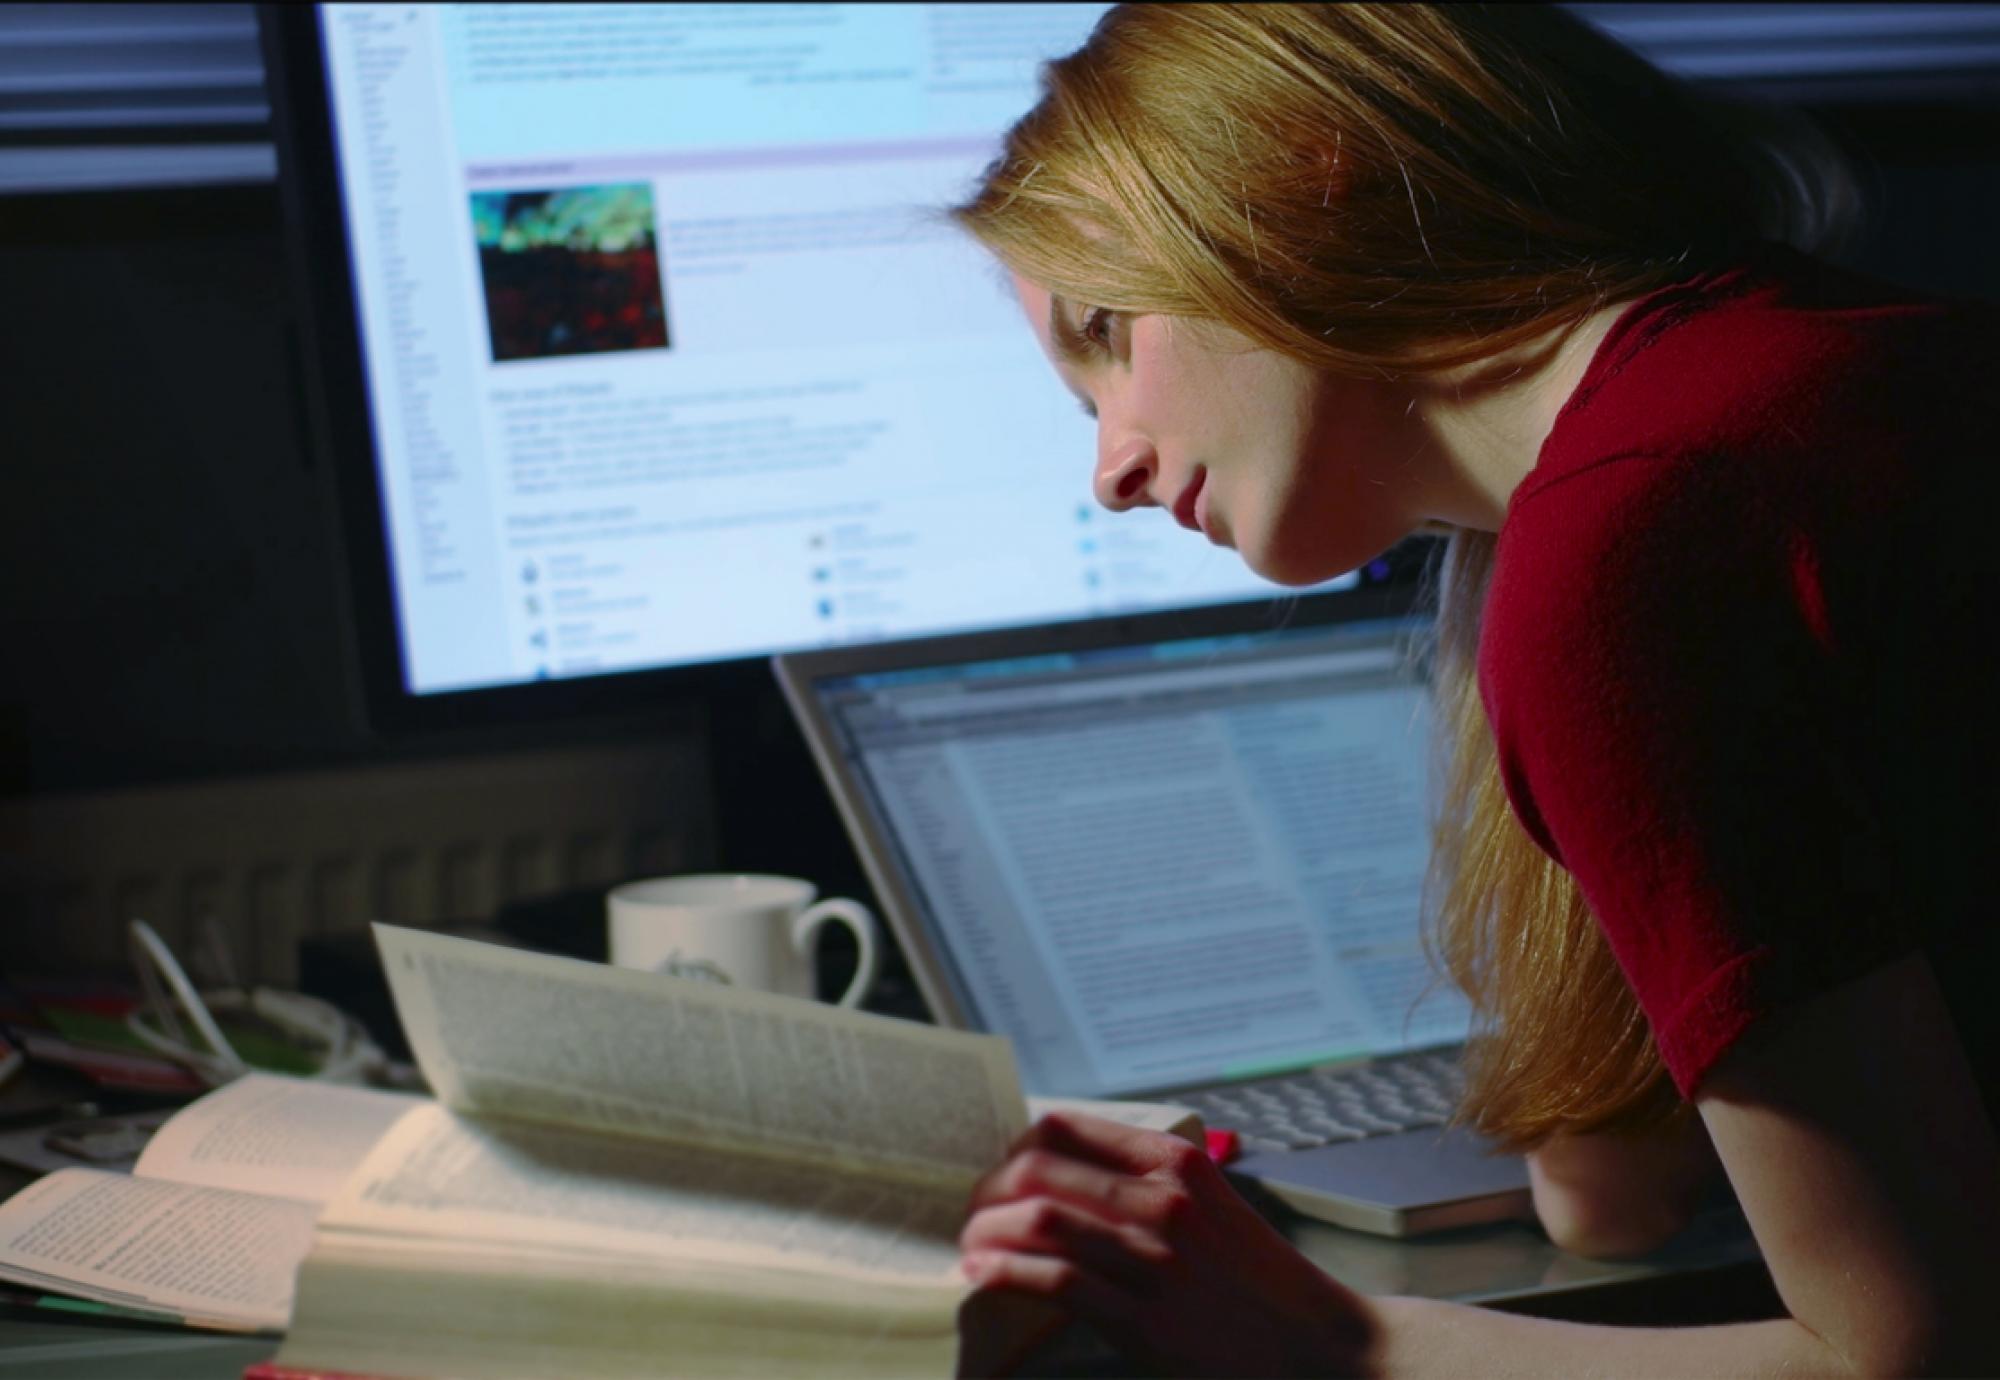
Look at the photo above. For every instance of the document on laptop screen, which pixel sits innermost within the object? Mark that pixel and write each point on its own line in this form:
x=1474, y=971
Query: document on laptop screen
x=1165, y=870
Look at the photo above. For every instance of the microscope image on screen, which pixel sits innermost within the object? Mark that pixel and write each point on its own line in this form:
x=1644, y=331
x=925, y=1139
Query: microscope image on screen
x=572, y=271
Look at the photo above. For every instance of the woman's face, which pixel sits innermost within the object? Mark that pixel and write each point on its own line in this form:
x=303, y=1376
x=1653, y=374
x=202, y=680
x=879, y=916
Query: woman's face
x=1304, y=474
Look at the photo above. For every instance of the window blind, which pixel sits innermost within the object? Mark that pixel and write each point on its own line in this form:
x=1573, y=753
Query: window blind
x=1840, y=52
x=104, y=96
x=134, y=95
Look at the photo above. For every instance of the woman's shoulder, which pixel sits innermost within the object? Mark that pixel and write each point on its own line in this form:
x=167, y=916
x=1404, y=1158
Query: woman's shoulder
x=1749, y=435
x=1778, y=358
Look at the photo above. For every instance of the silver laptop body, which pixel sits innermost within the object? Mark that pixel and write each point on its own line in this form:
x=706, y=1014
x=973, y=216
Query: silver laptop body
x=1179, y=858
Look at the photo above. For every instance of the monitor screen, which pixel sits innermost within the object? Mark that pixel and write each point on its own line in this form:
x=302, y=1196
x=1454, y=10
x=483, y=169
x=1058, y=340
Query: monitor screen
x=661, y=352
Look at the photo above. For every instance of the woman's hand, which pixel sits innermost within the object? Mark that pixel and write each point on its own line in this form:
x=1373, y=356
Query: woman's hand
x=1139, y=1235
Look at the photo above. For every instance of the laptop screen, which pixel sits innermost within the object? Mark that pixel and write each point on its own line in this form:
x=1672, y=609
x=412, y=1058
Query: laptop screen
x=1166, y=865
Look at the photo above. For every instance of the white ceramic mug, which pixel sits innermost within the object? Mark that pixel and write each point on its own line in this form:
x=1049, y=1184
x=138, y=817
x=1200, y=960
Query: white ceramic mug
x=741, y=928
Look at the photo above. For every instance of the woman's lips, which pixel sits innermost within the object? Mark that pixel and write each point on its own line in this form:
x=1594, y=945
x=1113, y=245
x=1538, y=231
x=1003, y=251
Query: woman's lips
x=1187, y=511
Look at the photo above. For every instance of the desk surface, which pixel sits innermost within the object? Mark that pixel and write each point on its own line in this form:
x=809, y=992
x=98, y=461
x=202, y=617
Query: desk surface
x=1507, y=1265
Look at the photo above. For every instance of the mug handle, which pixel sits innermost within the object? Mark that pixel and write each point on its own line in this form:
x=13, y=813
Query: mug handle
x=805, y=934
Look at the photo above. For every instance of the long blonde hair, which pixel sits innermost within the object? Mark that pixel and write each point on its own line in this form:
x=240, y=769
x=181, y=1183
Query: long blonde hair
x=1384, y=190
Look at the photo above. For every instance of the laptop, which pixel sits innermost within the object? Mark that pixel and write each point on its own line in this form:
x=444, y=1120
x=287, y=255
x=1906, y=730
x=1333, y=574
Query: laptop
x=1179, y=858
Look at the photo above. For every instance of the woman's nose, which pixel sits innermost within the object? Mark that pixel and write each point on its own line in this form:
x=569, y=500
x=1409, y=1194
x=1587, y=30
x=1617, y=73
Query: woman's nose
x=1124, y=475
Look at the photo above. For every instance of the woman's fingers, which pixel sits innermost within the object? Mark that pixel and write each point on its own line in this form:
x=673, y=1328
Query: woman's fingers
x=1122, y=1253
x=1131, y=1324
x=1062, y=1282
x=1127, y=1149
x=1107, y=1144
x=1140, y=1235
x=1154, y=1202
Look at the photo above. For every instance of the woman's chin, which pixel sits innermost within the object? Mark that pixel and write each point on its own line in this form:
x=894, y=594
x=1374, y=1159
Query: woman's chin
x=1304, y=553
x=1298, y=569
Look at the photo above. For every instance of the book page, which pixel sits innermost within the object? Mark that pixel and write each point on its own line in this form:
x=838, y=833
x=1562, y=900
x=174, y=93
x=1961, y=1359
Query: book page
x=207, y=1254
x=449, y=1177
x=421, y=1306
x=1175, y=1120
x=505, y=1033
x=287, y=1137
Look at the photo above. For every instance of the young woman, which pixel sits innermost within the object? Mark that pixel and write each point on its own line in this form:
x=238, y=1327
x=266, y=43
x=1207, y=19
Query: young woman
x=1715, y=655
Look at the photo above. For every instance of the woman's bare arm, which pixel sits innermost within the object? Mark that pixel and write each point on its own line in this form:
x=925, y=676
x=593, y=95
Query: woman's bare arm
x=1860, y=1148
x=1854, y=1134
x=1617, y=1194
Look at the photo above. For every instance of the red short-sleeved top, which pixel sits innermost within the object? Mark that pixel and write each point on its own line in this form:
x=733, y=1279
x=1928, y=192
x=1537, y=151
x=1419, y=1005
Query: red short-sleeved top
x=1738, y=653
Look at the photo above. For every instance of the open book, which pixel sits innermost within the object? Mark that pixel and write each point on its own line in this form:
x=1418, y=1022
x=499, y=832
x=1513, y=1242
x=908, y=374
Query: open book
x=210, y=1225
x=628, y=1174
x=622, y=1174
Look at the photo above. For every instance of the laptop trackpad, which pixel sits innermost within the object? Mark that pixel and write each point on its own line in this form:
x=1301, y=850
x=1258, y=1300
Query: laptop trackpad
x=1398, y=1185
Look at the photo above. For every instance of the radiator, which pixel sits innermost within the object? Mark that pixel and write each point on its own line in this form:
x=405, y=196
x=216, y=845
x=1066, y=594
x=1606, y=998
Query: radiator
x=266, y=860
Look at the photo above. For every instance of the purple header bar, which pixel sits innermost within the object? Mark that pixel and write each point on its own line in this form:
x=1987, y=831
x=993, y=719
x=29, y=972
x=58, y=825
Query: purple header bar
x=719, y=160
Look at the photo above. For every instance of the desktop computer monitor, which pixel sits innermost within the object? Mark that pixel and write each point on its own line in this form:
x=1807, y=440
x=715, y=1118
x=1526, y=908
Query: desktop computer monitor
x=642, y=344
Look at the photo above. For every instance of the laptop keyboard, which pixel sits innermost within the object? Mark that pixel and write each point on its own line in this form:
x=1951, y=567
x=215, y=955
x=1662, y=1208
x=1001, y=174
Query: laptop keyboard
x=1321, y=1107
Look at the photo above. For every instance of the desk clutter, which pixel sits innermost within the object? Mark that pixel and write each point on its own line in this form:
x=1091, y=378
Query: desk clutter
x=615, y=1167
x=157, y=1035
